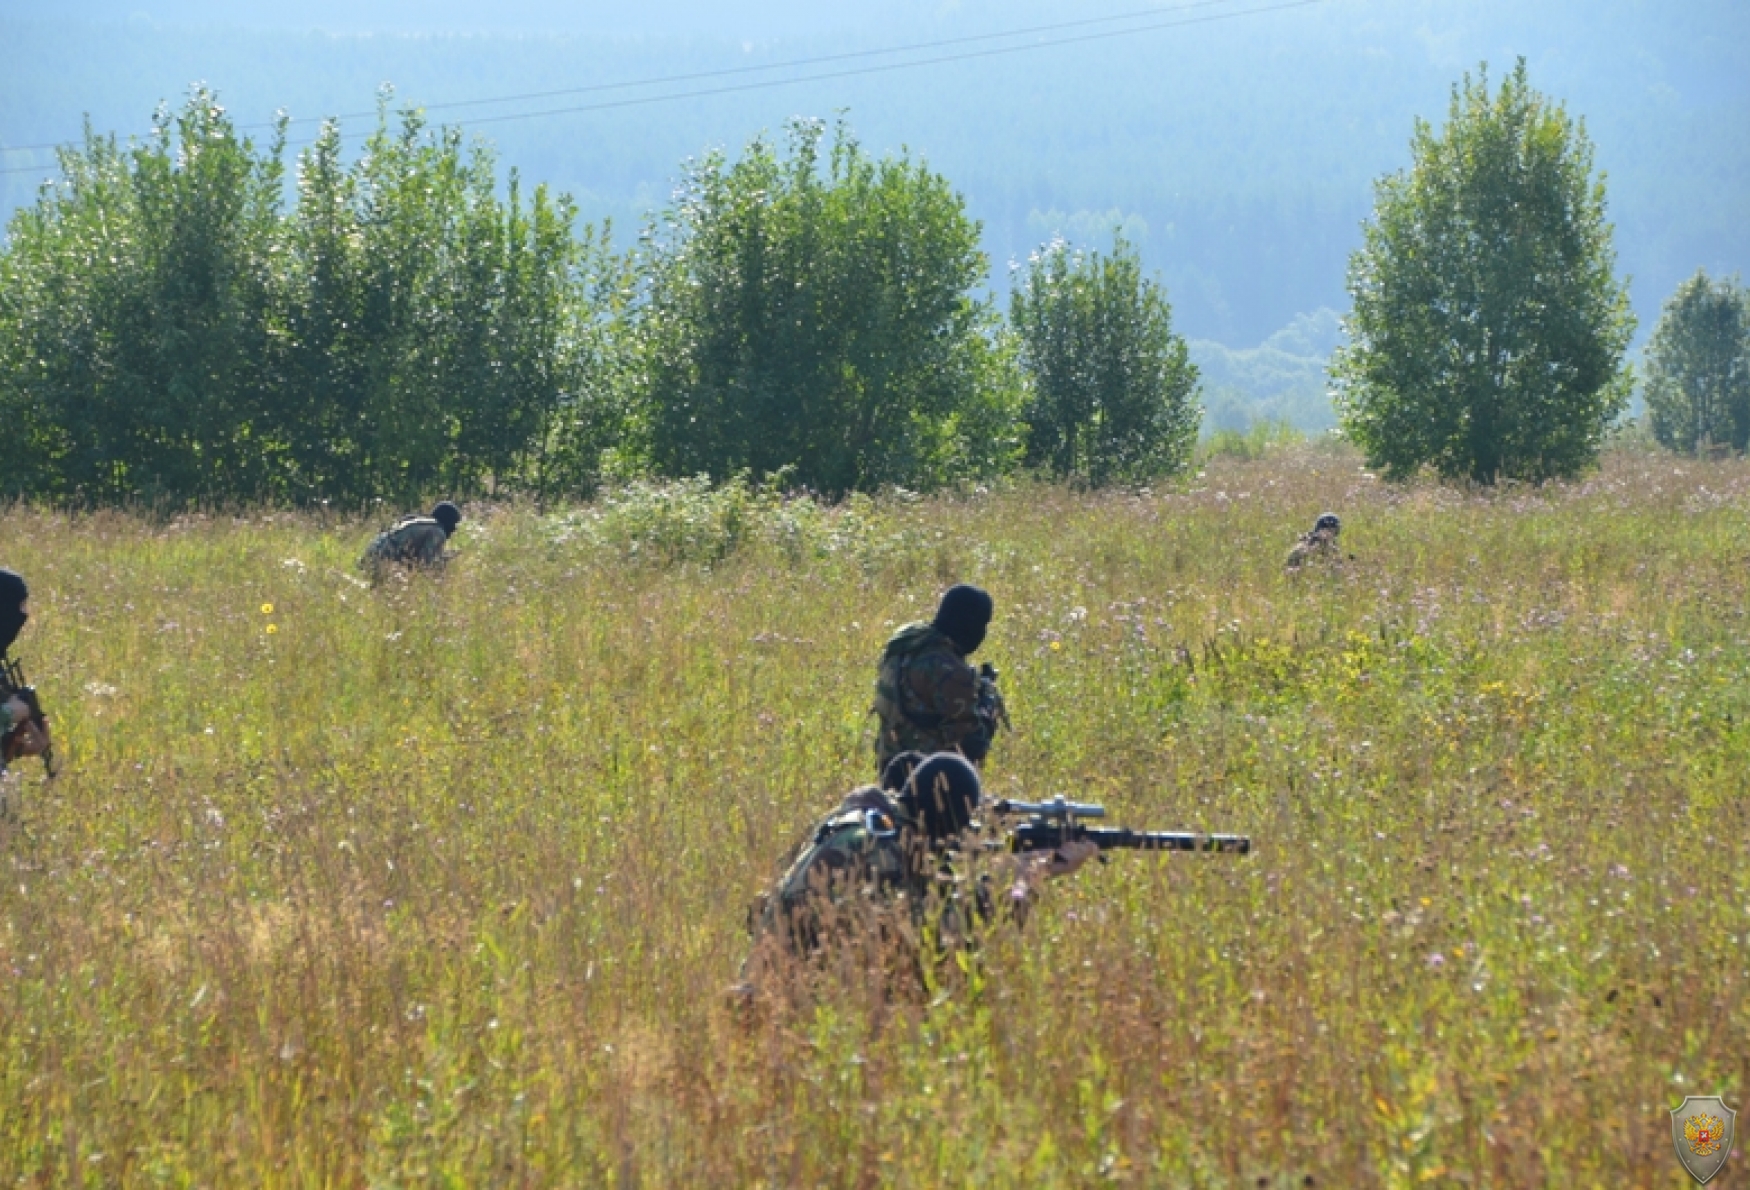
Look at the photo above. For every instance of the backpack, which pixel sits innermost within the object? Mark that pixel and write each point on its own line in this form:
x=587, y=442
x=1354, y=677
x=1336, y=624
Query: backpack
x=891, y=704
x=868, y=838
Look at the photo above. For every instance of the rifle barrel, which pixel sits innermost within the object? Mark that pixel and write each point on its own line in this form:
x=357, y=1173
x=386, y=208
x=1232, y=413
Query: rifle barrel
x=1044, y=836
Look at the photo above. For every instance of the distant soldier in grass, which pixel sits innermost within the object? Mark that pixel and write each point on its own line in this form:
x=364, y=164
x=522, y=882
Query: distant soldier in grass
x=1320, y=545
x=877, y=873
x=415, y=542
x=928, y=696
x=22, y=729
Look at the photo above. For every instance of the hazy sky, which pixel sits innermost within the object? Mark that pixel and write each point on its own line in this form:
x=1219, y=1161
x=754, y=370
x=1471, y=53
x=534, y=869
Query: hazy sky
x=763, y=19
x=1238, y=155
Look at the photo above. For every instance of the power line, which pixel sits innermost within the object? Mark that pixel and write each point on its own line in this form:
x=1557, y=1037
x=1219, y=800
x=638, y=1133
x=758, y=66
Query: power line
x=866, y=70
x=697, y=76
x=860, y=71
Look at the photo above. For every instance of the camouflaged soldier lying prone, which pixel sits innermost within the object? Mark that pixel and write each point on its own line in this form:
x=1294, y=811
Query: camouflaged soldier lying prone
x=928, y=697
x=1318, y=546
x=880, y=866
x=415, y=541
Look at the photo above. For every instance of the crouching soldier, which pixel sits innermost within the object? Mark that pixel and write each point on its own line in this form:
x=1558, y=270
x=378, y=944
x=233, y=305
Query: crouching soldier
x=23, y=729
x=1320, y=545
x=414, y=542
x=928, y=697
x=875, y=882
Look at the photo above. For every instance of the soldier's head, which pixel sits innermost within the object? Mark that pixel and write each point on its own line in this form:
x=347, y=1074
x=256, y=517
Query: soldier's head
x=942, y=795
x=447, y=515
x=14, y=607
x=1327, y=525
x=963, y=615
x=897, y=771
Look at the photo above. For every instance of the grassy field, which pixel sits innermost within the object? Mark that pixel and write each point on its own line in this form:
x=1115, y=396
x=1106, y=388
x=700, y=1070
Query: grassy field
x=444, y=883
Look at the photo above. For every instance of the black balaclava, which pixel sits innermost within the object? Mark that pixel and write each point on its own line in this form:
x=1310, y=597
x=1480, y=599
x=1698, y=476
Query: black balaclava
x=13, y=593
x=942, y=794
x=447, y=515
x=963, y=615
x=897, y=771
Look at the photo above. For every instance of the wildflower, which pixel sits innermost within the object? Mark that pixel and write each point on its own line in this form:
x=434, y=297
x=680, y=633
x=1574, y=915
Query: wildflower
x=1056, y=645
x=267, y=609
x=1436, y=961
x=272, y=628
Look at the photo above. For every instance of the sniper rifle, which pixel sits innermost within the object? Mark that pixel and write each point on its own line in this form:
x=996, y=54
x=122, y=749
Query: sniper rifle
x=1049, y=825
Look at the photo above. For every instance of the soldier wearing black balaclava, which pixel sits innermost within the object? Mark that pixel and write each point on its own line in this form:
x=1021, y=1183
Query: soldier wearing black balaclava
x=928, y=696
x=14, y=608
x=22, y=736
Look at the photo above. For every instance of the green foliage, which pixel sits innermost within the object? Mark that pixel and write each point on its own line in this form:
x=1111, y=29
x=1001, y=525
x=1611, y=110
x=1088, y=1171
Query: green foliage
x=1285, y=378
x=1698, y=367
x=1254, y=442
x=168, y=333
x=814, y=315
x=134, y=330
x=1488, y=326
x=428, y=326
x=683, y=521
x=694, y=522
x=1114, y=392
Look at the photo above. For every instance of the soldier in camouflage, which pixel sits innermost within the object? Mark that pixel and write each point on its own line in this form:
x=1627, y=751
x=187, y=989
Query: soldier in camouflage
x=928, y=697
x=20, y=733
x=877, y=868
x=1320, y=545
x=415, y=541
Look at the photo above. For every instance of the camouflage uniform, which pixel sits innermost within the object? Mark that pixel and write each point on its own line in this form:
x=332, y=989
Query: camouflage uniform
x=1320, y=545
x=1314, y=547
x=411, y=541
x=855, y=873
x=928, y=698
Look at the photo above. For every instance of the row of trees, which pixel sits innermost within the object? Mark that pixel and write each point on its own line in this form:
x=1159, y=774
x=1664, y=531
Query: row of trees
x=178, y=324
x=170, y=332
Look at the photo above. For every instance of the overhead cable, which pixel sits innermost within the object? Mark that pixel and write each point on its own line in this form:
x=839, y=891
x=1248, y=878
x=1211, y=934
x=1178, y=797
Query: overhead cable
x=882, y=68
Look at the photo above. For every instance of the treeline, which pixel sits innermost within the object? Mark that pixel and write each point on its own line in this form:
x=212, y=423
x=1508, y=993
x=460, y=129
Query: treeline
x=180, y=323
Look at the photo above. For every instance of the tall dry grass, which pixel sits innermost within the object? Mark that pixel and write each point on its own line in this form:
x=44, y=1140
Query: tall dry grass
x=442, y=884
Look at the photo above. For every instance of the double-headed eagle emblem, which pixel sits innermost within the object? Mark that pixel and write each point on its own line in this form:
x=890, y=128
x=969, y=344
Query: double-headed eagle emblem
x=1703, y=1134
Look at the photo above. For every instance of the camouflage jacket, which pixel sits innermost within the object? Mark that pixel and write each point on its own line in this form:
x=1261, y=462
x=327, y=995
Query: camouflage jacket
x=853, y=873
x=927, y=698
x=411, y=541
x=1313, y=547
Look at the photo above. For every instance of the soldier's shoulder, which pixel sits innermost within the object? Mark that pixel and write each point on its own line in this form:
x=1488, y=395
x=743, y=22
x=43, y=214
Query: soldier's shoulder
x=914, y=638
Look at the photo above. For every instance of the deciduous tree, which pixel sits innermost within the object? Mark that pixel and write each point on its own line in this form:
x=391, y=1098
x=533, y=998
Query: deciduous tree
x=1488, y=326
x=1698, y=367
x=814, y=315
x=1113, y=390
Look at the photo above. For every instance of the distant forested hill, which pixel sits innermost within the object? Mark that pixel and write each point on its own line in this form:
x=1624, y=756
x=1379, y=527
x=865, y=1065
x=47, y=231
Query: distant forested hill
x=1238, y=155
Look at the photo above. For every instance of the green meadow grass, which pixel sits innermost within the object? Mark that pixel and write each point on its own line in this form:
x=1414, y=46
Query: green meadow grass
x=444, y=883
